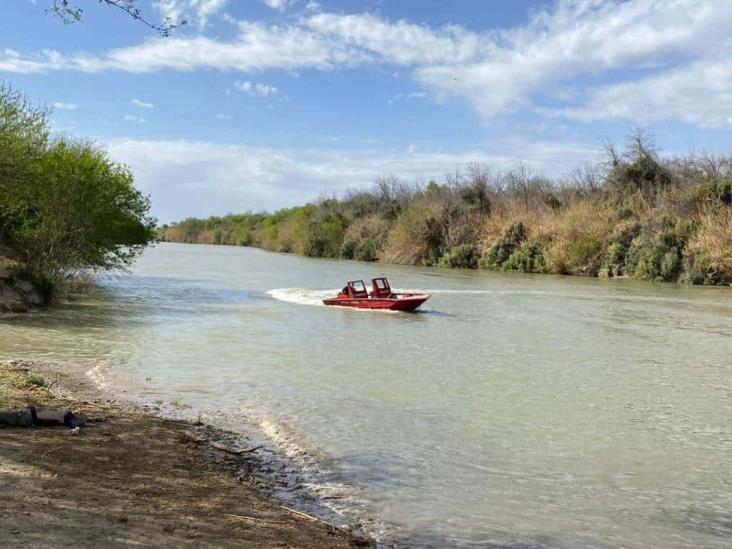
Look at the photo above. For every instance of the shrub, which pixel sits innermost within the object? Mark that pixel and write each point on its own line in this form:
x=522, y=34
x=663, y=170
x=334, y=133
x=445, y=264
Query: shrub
x=708, y=256
x=698, y=270
x=406, y=243
x=644, y=173
x=656, y=253
x=584, y=257
x=529, y=258
x=614, y=260
x=326, y=235
x=33, y=380
x=724, y=191
x=506, y=245
x=76, y=211
x=576, y=237
x=348, y=250
x=367, y=251
x=464, y=256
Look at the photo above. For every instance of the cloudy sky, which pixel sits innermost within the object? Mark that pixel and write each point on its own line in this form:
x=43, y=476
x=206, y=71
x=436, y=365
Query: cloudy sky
x=260, y=104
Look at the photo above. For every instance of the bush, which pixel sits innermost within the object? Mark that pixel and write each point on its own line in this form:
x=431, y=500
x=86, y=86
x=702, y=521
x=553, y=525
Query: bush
x=584, y=257
x=502, y=248
x=464, y=256
x=724, y=191
x=529, y=258
x=656, y=253
x=614, y=261
x=325, y=238
x=406, y=244
x=64, y=206
x=367, y=251
x=708, y=256
x=348, y=250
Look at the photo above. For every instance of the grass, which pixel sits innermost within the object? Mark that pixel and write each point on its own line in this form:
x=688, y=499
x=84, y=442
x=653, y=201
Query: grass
x=20, y=387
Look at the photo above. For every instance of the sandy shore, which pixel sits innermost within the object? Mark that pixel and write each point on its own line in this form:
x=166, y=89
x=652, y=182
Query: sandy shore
x=132, y=479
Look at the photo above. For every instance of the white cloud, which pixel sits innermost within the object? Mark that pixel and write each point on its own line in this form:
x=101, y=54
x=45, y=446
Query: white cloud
x=582, y=38
x=65, y=106
x=494, y=71
x=133, y=118
x=278, y=5
x=219, y=177
x=313, y=6
x=256, y=88
x=222, y=116
x=699, y=93
x=406, y=96
x=195, y=12
x=142, y=104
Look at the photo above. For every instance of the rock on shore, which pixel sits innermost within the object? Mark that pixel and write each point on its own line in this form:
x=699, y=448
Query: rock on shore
x=19, y=296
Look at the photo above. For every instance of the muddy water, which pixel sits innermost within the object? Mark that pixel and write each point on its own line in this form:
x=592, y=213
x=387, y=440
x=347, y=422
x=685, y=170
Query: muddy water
x=513, y=410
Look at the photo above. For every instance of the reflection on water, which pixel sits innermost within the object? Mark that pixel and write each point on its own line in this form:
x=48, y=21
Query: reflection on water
x=515, y=410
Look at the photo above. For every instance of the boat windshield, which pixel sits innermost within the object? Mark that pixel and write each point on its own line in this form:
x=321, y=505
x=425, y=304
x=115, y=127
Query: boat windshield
x=358, y=286
x=380, y=283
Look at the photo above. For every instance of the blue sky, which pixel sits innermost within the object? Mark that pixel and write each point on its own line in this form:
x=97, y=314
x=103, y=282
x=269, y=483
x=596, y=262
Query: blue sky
x=261, y=104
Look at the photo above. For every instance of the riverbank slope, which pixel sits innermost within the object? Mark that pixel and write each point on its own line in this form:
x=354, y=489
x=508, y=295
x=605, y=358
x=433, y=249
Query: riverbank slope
x=637, y=215
x=131, y=479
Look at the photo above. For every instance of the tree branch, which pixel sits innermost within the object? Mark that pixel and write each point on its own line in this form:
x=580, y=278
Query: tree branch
x=72, y=13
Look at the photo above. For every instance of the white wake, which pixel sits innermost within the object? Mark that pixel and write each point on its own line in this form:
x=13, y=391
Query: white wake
x=302, y=296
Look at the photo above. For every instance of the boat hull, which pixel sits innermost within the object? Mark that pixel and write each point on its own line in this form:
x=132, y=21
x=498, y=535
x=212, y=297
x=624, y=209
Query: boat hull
x=399, y=303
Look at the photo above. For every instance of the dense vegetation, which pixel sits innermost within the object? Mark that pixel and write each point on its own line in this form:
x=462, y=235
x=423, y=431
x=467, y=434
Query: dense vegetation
x=64, y=206
x=637, y=215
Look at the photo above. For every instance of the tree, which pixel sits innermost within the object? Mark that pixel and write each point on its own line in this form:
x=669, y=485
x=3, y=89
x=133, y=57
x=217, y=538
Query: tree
x=64, y=205
x=70, y=12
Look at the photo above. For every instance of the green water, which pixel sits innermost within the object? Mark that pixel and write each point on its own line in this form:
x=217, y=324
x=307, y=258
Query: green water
x=515, y=410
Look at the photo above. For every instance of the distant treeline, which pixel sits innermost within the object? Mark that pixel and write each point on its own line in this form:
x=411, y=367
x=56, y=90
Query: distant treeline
x=636, y=214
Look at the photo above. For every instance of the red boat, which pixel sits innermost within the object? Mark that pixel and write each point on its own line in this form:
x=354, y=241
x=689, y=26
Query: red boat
x=354, y=294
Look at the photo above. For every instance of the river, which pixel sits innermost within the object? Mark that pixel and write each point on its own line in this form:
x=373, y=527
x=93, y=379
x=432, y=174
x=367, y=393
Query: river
x=513, y=410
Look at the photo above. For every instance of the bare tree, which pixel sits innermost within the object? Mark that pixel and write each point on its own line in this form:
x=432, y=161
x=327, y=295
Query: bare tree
x=641, y=144
x=712, y=165
x=479, y=172
x=586, y=177
x=519, y=181
x=454, y=180
x=69, y=12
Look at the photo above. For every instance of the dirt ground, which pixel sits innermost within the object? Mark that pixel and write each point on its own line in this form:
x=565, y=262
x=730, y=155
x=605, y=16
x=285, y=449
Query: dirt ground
x=131, y=479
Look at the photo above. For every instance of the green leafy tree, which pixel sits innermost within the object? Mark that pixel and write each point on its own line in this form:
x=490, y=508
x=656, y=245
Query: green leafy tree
x=64, y=205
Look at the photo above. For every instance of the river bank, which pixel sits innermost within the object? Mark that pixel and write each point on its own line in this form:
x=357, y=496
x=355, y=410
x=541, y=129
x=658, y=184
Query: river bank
x=638, y=216
x=134, y=478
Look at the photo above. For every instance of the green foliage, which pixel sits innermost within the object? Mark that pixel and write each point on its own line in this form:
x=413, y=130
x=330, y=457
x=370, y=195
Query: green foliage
x=464, y=256
x=644, y=173
x=633, y=216
x=529, y=258
x=614, y=261
x=584, y=257
x=724, y=190
x=64, y=206
x=657, y=252
x=348, y=249
x=476, y=195
x=33, y=380
x=433, y=235
x=698, y=271
x=367, y=251
x=624, y=213
x=504, y=247
x=326, y=235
